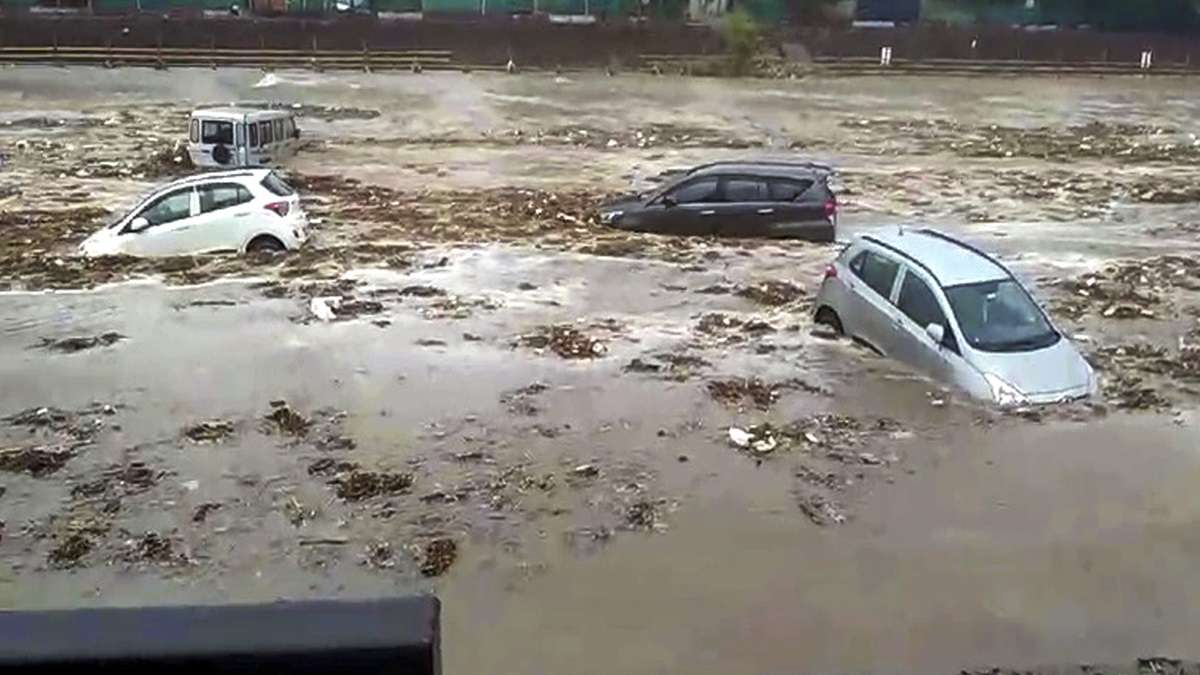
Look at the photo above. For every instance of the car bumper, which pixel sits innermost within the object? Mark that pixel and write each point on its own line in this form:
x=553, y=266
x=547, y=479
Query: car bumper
x=298, y=229
x=1058, y=396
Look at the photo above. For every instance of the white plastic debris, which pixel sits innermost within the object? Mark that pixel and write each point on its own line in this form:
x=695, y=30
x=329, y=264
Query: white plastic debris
x=764, y=445
x=268, y=80
x=322, y=308
x=739, y=437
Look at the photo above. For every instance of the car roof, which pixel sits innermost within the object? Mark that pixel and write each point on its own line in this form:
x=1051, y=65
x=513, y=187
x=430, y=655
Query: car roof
x=777, y=169
x=235, y=113
x=207, y=176
x=952, y=262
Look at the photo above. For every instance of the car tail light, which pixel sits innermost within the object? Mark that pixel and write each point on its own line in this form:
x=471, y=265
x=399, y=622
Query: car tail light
x=280, y=208
x=830, y=208
x=831, y=272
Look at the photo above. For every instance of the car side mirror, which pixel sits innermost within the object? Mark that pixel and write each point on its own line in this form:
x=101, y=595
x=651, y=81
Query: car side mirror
x=137, y=224
x=668, y=201
x=937, y=333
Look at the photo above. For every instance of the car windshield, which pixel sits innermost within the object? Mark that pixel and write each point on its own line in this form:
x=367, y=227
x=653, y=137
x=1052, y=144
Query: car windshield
x=114, y=218
x=999, y=316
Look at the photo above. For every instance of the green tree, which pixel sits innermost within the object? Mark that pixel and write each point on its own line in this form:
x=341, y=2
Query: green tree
x=740, y=33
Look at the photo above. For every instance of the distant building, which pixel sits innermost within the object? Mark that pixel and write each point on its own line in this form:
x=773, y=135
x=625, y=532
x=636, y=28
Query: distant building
x=899, y=11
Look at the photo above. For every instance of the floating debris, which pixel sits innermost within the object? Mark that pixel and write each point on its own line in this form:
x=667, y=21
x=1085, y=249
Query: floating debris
x=641, y=515
x=734, y=390
x=439, y=555
x=356, y=485
x=38, y=462
x=380, y=555
x=70, y=551
x=70, y=345
x=773, y=293
x=202, y=511
x=152, y=547
x=287, y=420
x=521, y=401
x=564, y=340
x=212, y=431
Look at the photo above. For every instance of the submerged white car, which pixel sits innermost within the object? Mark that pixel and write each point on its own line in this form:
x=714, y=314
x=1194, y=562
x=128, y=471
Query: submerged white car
x=245, y=210
x=953, y=312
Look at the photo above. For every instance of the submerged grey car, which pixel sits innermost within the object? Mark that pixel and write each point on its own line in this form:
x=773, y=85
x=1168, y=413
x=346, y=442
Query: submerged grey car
x=953, y=312
x=736, y=199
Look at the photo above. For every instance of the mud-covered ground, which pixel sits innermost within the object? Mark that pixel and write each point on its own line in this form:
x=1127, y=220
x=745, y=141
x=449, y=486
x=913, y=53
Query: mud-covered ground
x=531, y=415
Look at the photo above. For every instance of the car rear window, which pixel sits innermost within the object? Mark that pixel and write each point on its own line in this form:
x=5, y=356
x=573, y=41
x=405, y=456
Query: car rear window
x=275, y=185
x=786, y=190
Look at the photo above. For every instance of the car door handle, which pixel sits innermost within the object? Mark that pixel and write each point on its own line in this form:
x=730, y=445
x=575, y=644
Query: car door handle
x=765, y=212
x=243, y=214
x=708, y=212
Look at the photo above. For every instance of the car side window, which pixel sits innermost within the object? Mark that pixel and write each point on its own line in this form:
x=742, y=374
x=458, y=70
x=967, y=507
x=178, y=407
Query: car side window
x=222, y=196
x=918, y=302
x=697, y=191
x=787, y=190
x=879, y=272
x=169, y=208
x=745, y=190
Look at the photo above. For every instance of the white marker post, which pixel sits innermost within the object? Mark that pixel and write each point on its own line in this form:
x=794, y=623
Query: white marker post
x=1147, y=59
x=885, y=56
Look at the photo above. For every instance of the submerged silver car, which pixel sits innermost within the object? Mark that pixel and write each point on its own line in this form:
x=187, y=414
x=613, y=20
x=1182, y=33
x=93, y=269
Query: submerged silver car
x=954, y=313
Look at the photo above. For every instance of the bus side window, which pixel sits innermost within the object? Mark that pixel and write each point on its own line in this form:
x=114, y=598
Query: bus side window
x=253, y=129
x=267, y=138
x=279, y=131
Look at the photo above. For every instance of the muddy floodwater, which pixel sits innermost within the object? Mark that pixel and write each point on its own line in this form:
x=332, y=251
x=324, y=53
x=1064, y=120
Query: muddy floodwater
x=466, y=385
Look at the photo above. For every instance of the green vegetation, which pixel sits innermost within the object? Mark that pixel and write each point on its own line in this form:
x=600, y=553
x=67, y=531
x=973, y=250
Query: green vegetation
x=740, y=33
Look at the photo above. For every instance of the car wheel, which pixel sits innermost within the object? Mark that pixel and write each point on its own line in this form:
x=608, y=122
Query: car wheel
x=265, y=244
x=827, y=317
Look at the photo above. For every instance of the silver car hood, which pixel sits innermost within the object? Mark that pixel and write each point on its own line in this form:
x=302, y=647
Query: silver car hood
x=1056, y=368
